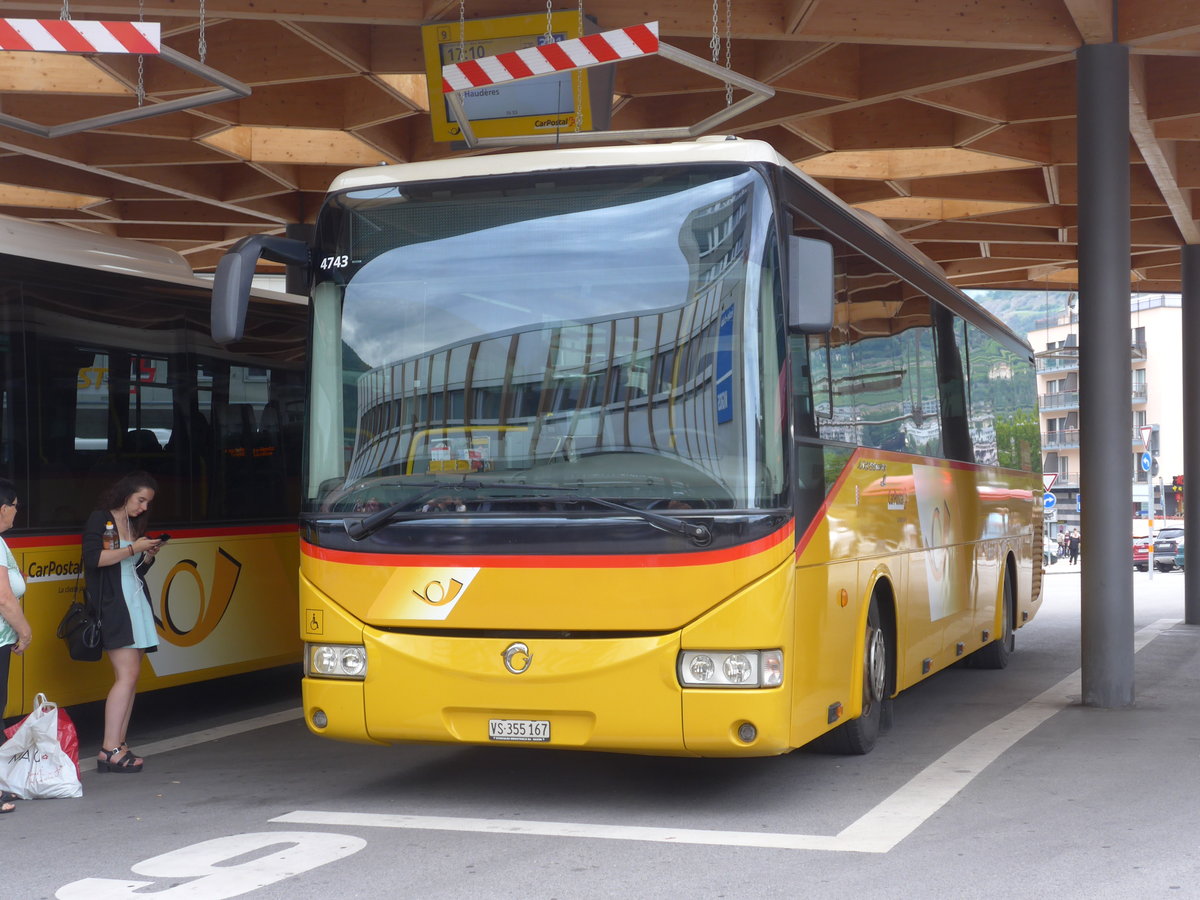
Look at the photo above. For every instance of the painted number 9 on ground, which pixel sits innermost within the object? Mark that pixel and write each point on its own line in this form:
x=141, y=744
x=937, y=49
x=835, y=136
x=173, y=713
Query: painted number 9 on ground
x=293, y=852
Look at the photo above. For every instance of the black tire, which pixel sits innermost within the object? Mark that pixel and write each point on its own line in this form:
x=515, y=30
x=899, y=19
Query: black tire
x=858, y=736
x=1162, y=568
x=995, y=655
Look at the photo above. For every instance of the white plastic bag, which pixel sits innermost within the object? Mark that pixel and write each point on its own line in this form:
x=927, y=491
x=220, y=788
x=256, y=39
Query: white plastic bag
x=32, y=763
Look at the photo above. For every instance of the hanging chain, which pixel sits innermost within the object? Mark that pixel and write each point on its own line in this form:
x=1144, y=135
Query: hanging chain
x=64, y=14
x=462, y=29
x=578, y=76
x=729, y=50
x=549, y=24
x=141, y=82
x=203, y=34
x=715, y=43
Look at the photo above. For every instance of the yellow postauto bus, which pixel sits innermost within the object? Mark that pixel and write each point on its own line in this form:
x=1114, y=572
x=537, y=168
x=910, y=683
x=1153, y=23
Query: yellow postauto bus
x=654, y=449
x=109, y=367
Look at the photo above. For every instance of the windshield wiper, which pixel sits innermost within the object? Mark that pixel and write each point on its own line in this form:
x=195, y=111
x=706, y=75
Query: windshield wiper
x=698, y=534
x=368, y=525
x=358, y=529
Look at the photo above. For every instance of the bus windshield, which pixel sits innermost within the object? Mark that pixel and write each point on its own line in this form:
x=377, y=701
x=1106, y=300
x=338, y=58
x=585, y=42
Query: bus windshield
x=610, y=333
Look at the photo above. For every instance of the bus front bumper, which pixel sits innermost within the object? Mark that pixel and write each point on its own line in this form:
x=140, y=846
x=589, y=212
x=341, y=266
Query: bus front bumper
x=610, y=694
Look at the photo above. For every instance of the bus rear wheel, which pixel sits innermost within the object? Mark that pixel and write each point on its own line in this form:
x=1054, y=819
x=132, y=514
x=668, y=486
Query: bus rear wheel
x=858, y=736
x=995, y=655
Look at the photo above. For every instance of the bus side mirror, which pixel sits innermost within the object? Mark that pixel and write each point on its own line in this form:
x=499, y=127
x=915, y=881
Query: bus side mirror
x=231, y=285
x=810, y=285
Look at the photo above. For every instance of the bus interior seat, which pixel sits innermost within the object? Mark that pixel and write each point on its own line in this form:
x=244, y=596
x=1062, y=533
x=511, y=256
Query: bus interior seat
x=142, y=440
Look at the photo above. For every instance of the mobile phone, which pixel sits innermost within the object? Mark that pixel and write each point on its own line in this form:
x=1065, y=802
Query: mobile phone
x=163, y=538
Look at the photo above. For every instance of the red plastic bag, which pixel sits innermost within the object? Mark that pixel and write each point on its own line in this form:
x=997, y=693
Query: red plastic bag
x=68, y=737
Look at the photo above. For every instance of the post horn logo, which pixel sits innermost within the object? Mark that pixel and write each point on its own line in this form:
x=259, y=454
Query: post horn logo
x=517, y=657
x=436, y=595
x=213, y=605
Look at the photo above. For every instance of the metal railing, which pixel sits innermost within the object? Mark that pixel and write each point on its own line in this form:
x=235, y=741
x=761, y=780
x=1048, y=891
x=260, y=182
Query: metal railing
x=1060, y=400
x=1070, y=399
x=1062, y=439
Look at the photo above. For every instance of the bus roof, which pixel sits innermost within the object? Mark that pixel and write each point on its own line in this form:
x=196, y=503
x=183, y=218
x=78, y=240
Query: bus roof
x=89, y=250
x=84, y=249
x=713, y=148
x=705, y=149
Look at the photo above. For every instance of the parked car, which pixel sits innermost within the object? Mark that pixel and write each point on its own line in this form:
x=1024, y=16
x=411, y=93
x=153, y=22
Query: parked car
x=1166, y=544
x=1141, y=553
x=1049, y=551
x=1179, y=554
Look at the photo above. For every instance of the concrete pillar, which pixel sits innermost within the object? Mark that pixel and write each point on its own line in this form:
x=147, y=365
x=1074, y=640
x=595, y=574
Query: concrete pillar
x=1105, y=383
x=1191, y=420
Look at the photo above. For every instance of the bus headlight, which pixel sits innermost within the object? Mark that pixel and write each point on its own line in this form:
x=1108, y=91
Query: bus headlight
x=731, y=668
x=336, y=661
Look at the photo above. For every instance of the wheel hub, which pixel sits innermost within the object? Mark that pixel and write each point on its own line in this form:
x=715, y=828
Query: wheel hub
x=876, y=665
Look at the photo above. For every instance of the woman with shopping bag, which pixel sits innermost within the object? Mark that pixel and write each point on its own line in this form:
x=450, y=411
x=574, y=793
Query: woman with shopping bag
x=15, y=633
x=116, y=555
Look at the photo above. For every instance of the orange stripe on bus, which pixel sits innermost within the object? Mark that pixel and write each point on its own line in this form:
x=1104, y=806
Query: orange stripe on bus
x=59, y=540
x=511, y=561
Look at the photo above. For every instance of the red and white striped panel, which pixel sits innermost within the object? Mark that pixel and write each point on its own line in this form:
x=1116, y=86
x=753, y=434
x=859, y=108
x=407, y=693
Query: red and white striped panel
x=577, y=53
x=79, y=36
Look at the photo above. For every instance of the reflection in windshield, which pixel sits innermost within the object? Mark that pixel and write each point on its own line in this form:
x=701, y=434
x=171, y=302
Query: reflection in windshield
x=592, y=332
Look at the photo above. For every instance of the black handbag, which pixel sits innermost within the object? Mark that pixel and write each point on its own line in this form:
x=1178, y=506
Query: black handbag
x=80, y=628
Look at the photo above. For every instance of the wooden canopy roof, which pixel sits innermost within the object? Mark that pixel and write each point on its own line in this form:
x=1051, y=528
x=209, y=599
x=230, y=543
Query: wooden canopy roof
x=953, y=120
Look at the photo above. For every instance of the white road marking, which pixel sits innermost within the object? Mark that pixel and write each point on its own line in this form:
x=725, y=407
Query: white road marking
x=208, y=734
x=878, y=831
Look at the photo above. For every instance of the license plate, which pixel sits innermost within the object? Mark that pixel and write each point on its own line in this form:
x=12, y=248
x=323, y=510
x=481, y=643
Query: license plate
x=535, y=730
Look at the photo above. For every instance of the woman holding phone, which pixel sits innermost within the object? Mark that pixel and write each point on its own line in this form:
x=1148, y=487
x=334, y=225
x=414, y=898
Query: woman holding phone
x=116, y=556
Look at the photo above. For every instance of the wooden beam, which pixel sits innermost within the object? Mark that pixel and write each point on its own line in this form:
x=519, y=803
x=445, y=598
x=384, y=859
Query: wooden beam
x=347, y=43
x=986, y=100
x=796, y=14
x=889, y=69
x=1168, y=86
x=1024, y=186
x=1093, y=19
x=1159, y=157
x=828, y=70
x=1147, y=22
x=980, y=232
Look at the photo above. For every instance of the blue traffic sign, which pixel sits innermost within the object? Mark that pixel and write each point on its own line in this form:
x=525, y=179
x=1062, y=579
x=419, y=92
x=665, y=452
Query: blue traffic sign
x=1048, y=500
x=1146, y=461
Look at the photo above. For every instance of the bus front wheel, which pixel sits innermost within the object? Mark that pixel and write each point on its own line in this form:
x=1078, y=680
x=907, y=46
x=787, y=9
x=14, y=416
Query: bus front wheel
x=858, y=736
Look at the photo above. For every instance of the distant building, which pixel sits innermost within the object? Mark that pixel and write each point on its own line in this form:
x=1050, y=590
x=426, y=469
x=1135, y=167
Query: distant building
x=1156, y=400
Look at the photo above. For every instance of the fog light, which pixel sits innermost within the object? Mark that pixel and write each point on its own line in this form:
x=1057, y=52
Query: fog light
x=336, y=661
x=747, y=733
x=319, y=719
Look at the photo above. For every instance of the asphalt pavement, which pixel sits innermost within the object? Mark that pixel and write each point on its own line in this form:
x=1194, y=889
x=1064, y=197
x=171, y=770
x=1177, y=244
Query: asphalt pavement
x=990, y=784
